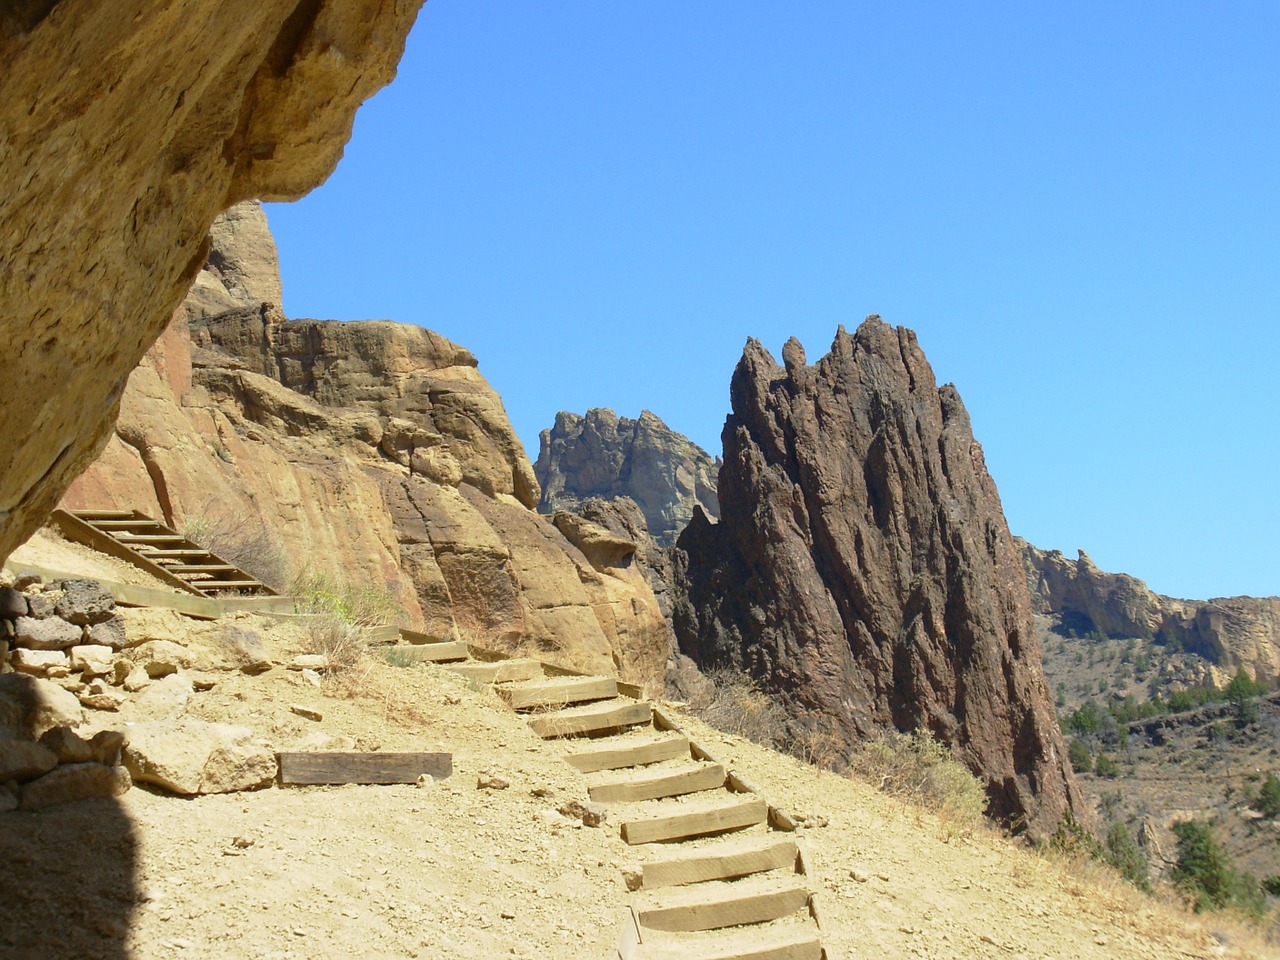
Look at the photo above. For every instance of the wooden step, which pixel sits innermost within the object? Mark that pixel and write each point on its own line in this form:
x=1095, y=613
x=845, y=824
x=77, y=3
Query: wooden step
x=639, y=785
x=791, y=944
x=739, y=857
x=628, y=753
x=229, y=584
x=733, y=815
x=131, y=523
x=202, y=568
x=156, y=552
x=93, y=516
x=500, y=672
x=430, y=652
x=151, y=538
x=559, y=692
x=578, y=721
x=730, y=904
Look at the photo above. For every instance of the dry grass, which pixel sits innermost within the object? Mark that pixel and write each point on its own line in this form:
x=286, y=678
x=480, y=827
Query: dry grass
x=734, y=703
x=239, y=541
x=917, y=768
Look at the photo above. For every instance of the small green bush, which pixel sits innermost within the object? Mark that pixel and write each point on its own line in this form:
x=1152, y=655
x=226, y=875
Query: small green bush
x=1125, y=856
x=1106, y=767
x=1079, y=755
x=400, y=657
x=1269, y=797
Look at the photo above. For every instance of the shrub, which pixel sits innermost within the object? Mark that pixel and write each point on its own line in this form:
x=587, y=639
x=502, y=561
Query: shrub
x=241, y=541
x=732, y=701
x=918, y=767
x=1269, y=797
x=1124, y=855
x=400, y=657
x=342, y=642
x=1106, y=767
x=362, y=606
x=1074, y=840
x=1205, y=872
x=1079, y=755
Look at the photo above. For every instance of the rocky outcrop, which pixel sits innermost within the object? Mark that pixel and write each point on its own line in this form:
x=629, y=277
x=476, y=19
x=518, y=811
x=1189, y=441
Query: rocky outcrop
x=1230, y=632
x=863, y=570
x=605, y=456
x=372, y=451
x=126, y=127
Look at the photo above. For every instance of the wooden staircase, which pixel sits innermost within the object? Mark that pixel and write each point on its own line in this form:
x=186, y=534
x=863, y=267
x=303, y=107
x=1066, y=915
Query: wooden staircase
x=721, y=874
x=134, y=537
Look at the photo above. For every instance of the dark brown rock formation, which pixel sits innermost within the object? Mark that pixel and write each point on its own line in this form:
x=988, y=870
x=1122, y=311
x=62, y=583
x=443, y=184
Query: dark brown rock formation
x=863, y=569
x=127, y=126
x=607, y=456
x=1230, y=632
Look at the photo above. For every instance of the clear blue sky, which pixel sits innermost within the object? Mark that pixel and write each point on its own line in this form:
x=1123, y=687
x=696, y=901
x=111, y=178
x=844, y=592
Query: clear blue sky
x=1076, y=207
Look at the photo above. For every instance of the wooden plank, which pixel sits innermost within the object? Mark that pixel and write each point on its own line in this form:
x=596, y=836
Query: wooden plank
x=207, y=585
x=632, y=753
x=131, y=523
x=429, y=652
x=349, y=766
x=504, y=671
x=201, y=568
x=417, y=636
x=656, y=784
x=599, y=717
x=726, y=905
x=558, y=692
x=628, y=935
x=723, y=861
x=75, y=529
x=733, y=815
x=92, y=516
x=127, y=538
x=792, y=944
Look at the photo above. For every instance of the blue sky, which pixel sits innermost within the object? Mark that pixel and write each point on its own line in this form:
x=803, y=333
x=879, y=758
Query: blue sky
x=1075, y=206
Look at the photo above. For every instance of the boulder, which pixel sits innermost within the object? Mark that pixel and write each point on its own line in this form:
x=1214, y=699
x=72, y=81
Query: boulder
x=189, y=757
x=67, y=745
x=107, y=746
x=29, y=706
x=52, y=633
x=38, y=663
x=24, y=760
x=160, y=658
x=92, y=659
x=74, y=781
x=84, y=602
x=13, y=603
x=109, y=633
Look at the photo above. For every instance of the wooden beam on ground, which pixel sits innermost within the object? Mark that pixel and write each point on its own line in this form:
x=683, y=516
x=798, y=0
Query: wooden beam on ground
x=727, y=905
x=558, y=692
x=656, y=784
x=429, y=652
x=506, y=671
x=792, y=944
x=733, y=815
x=350, y=766
x=628, y=753
x=580, y=721
x=739, y=857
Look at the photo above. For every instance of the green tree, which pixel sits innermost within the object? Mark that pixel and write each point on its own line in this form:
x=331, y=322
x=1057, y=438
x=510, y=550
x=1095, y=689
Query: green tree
x=1241, y=693
x=1269, y=797
x=1079, y=755
x=1204, y=869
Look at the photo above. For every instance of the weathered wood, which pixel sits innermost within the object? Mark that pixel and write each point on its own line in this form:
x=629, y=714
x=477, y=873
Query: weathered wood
x=727, y=905
x=502, y=672
x=723, y=861
x=207, y=585
x=76, y=530
x=417, y=636
x=560, y=691
x=656, y=784
x=430, y=652
x=347, y=766
x=733, y=815
x=628, y=935
x=610, y=715
x=631, y=753
x=793, y=944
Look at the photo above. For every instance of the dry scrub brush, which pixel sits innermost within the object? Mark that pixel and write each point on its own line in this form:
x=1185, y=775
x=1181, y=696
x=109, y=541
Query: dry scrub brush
x=733, y=702
x=916, y=767
x=241, y=541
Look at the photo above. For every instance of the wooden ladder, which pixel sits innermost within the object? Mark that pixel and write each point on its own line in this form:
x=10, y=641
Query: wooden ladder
x=152, y=546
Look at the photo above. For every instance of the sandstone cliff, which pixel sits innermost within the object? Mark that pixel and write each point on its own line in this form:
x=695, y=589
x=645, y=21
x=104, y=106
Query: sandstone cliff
x=371, y=450
x=1231, y=632
x=126, y=127
x=863, y=569
x=606, y=456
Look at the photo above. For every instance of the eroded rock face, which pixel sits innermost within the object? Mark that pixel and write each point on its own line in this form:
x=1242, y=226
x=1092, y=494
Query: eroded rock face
x=863, y=569
x=373, y=451
x=126, y=127
x=605, y=456
x=1231, y=632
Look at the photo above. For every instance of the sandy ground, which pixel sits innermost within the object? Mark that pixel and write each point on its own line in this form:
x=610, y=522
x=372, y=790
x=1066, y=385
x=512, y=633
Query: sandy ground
x=453, y=870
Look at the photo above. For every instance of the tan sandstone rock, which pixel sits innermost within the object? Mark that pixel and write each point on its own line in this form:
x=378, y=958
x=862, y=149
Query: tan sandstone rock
x=189, y=757
x=127, y=126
